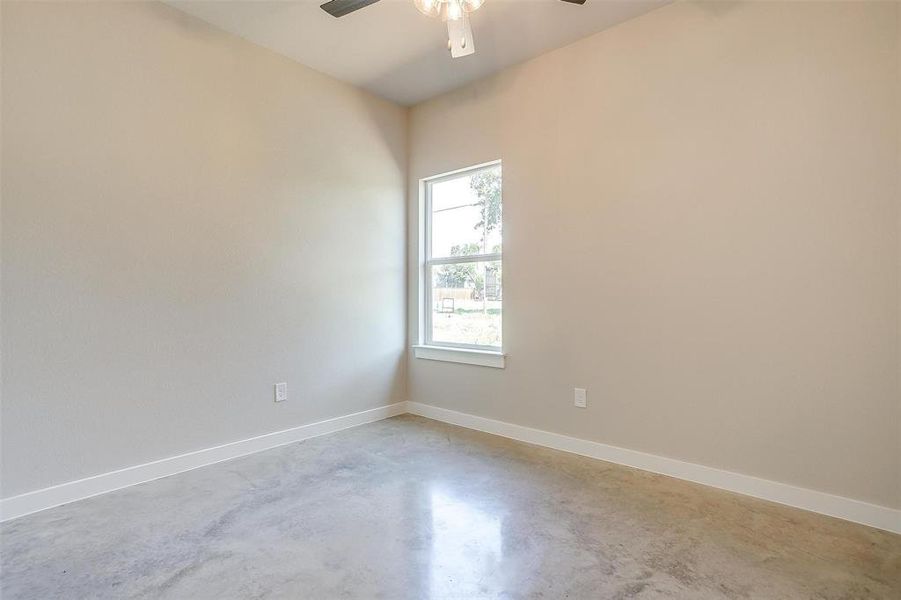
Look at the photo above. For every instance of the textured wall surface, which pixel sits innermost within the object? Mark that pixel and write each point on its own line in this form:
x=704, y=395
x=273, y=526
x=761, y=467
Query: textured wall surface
x=187, y=219
x=701, y=227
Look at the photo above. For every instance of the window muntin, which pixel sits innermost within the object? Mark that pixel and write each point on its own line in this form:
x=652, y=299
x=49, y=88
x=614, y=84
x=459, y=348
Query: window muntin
x=463, y=277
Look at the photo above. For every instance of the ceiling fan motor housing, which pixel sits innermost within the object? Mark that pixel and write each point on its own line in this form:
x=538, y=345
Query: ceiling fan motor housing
x=454, y=12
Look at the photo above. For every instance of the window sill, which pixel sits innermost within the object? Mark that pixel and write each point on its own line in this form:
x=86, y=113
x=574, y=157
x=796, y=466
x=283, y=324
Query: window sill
x=481, y=358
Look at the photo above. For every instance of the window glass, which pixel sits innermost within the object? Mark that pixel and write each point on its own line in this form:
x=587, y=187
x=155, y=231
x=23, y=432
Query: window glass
x=467, y=303
x=458, y=206
x=464, y=296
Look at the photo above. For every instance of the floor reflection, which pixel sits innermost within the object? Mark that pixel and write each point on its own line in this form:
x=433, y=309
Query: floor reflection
x=466, y=548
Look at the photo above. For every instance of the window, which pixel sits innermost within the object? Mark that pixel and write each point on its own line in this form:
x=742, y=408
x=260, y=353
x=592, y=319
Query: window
x=462, y=278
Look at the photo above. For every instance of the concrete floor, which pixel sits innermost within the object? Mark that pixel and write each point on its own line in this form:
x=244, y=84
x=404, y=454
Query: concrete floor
x=411, y=508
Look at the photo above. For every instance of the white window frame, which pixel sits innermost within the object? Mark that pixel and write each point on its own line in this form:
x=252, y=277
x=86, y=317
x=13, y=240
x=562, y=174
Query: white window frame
x=489, y=356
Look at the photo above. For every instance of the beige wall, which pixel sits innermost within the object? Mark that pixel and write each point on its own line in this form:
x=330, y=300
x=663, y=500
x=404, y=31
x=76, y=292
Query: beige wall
x=702, y=228
x=183, y=216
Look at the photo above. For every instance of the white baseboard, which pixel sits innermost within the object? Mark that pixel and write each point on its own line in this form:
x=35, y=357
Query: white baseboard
x=25, y=504
x=820, y=502
x=857, y=511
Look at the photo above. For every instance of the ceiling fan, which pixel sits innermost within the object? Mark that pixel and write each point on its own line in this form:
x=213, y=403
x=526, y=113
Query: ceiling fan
x=454, y=12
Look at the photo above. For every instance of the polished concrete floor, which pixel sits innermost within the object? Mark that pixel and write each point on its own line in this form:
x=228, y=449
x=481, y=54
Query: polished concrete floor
x=411, y=508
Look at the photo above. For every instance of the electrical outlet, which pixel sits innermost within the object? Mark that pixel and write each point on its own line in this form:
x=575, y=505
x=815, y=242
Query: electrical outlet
x=281, y=392
x=580, y=398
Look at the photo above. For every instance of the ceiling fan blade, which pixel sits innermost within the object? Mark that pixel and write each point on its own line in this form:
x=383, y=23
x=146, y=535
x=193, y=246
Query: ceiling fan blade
x=339, y=8
x=575, y=1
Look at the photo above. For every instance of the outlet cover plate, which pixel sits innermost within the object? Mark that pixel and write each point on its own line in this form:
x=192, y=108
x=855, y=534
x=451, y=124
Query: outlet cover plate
x=580, y=398
x=281, y=392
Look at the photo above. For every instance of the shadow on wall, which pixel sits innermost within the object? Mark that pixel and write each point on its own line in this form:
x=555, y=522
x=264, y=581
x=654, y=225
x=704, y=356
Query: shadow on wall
x=395, y=144
x=363, y=110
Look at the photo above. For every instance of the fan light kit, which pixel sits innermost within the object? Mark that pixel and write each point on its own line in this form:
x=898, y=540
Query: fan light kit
x=448, y=10
x=454, y=12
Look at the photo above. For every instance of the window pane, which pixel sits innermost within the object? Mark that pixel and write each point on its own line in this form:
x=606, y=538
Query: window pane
x=467, y=303
x=466, y=214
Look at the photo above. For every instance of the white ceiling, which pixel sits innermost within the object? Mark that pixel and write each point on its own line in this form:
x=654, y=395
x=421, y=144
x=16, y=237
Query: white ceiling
x=390, y=49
